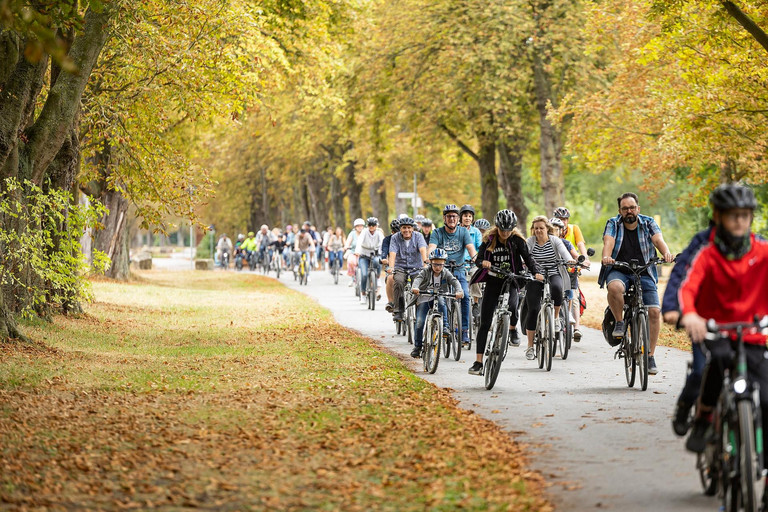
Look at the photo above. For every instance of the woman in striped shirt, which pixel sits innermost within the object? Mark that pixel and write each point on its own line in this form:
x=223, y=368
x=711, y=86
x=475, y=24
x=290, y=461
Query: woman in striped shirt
x=547, y=251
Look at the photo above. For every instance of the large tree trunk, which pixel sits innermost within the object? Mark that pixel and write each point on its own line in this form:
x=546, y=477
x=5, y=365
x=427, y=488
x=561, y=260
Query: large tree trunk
x=354, y=190
x=511, y=179
x=337, y=201
x=378, y=193
x=486, y=161
x=549, y=141
x=317, y=188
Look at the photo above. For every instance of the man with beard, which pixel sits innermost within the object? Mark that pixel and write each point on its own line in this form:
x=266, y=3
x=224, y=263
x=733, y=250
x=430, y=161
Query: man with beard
x=631, y=236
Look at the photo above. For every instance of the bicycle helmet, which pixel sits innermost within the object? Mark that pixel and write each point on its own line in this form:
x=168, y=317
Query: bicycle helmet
x=372, y=221
x=506, y=220
x=438, y=254
x=557, y=223
x=426, y=222
x=359, y=222
x=608, y=323
x=394, y=225
x=418, y=218
x=467, y=208
x=450, y=208
x=241, y=237
x=407, y=221
x=250, y=234
x=735, y=195
x=561, y=213
x=482, y=224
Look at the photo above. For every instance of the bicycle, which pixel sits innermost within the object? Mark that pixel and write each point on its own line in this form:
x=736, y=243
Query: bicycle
x=497, y=343
x=433, y=329
x=634, y=349
x=372, y=281
x=732, y=462
x=277, y=263
x=565, y=334
x=303, y=269
x=225, y=259
x=544, y=339
x=407, y=326
x=239, y=257
x=452, y=342
x=336, y=270
x=264, y=262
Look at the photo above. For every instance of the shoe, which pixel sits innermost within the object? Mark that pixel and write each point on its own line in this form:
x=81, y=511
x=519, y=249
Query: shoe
x=476, y=368
x=530, y=353
x=416, y=353
x=388, y=307
x=397, y=316
x=618, y=329
x=466, y=345
x=378, y=296
x=652, y=369
x=576, y=335
x=465, y=336
x=514, y=338
x=558, y=327
x=680, y=423
x=475, y=310
x=697, y=441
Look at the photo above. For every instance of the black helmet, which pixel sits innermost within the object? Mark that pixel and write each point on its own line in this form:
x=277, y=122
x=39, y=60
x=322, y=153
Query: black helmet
x=608, y=323
x=561, y=213
x=407, y=222
x=426, y=222
x=506, y=220
x=467, y=208
x=482, y=224
x=394, y=225
x=727, y=197
x=372, y=221
x=450, y=208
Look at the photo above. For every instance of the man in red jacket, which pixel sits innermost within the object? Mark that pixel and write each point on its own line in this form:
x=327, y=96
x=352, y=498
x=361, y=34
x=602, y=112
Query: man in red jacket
x=726, y=282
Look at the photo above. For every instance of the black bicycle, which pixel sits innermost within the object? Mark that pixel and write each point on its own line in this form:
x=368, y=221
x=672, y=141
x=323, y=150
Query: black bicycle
x=406, y=326
x=565, y=334
x=732, y=462
x=452, y=338
x=372, y=288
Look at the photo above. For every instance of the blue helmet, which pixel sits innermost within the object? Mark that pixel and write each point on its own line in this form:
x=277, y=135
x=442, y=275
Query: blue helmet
x=438, y=254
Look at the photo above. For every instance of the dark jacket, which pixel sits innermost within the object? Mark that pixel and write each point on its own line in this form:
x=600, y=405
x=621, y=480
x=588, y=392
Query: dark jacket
x=423, y=280
x=517, y=247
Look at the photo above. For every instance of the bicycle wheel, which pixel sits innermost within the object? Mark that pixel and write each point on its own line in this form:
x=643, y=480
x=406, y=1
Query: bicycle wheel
x=539, y=340
x=371, y=290
x=752, y=481
x=504, y=333
x=335, y=272
x=456, y=332
x=493, y=360
x=410, y=318
x=447, y=341
x=630, y=366
x=567, y=330
x=708, y=474
x=642, y=347
x=432, y=357
x=549, y=341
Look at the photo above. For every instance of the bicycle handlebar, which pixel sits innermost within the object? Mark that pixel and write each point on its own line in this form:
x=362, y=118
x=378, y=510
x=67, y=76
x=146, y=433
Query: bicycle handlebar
x=717, y=330
x=637, y=268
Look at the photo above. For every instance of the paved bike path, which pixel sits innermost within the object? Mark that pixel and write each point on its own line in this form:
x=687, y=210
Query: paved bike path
x=600, y=444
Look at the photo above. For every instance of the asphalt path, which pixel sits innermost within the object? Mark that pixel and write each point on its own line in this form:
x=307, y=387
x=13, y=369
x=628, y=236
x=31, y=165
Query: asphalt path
x=598, y=443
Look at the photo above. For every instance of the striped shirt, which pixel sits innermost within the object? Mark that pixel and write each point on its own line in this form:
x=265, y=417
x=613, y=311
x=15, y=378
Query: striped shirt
x=545, y=255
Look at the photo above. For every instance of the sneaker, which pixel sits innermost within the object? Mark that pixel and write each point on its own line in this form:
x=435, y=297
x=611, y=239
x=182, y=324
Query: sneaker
x=680, y=423
x=576, y=335
x=475, y=309
x=465, y=336
x=697, y=441
x=476, y=368
x=514, y=338
x=378, y=296
x=558, y=327
x=618, y=329
x=530, y=353
x=389, y=307
x=466, y=345
x=397, y=316
x=652, y=369
x=416, y=352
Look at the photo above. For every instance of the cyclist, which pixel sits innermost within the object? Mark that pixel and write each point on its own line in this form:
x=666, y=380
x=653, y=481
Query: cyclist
x=434, y=277
x=394, y=228
x=224, y=245
x=335, y=247
x=368, y=253
x=350, y=246
x=426, y=229
x=263, y=239
x=503, y=243
x=467, y=220
x=573, y=274
x=290, y=237
x=572, y=233
x=723, y=283
x=418, y=220
x=455, y=239
x=631, y=236
x=249, y=244
x=303, y=244
x=277, y=246
x=407, y=252
x=475, y=290
x=547, y=251
x=482, y=225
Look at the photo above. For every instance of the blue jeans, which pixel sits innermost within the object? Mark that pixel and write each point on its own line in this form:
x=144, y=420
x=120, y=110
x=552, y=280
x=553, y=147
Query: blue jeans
x=363, y=263
x=693, y=382
x=421, y=317
x=650, y=294
x=333, y=256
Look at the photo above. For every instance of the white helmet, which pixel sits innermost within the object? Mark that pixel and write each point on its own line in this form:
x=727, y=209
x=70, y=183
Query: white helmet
x=359, y=222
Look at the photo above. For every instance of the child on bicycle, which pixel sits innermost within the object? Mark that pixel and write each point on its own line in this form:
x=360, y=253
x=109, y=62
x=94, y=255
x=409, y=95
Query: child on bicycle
x=434, y=277
x=725, y=283
x=503, y=243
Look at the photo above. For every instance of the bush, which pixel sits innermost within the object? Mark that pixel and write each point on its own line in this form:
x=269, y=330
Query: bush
x=204, y=247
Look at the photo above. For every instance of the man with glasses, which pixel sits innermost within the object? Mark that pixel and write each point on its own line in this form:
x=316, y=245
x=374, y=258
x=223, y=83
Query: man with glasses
x=631, y=236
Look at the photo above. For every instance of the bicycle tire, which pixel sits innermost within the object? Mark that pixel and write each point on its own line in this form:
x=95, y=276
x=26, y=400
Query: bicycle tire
x=567, y=331
x=447, y=341
x=436, y=333
x=456, y=328
x=493, y=360
x=630, y=365
x=708, y=474
x=538, y=340
x=752, y=481
x=549, y=342
x=643, y=347
x=504, y=343
x=409, y=330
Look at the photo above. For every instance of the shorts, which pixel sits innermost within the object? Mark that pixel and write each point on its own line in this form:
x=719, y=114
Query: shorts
x=650, y=293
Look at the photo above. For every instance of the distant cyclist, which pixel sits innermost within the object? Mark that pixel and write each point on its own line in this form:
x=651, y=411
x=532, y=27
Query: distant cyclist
x=394, y=228
x=335, y=247
x=304, y=244
x=368, y=253
x=407, y=252
x=426, y=229
x=350, y=246
x=224, y=245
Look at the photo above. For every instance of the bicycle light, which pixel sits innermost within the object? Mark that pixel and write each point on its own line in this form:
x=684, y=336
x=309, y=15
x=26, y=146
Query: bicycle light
x=740, y=385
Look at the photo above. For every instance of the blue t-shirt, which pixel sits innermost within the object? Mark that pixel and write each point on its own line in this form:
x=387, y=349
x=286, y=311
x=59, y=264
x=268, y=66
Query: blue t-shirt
x=407, y=255
x=477, y=239
x=454, y=243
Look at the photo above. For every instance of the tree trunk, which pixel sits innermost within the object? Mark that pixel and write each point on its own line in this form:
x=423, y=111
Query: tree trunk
x=337, y=202
x=549, y=141
x=354, y=190
x=317, y=188
x=486, y=161
x=511, y=179
x=378, y=193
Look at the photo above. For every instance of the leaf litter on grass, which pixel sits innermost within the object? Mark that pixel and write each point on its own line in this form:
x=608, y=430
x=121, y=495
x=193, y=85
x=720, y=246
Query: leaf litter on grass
x=272, y=407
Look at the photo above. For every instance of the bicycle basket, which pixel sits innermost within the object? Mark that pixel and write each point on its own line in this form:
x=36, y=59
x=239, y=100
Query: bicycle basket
x=608, y=322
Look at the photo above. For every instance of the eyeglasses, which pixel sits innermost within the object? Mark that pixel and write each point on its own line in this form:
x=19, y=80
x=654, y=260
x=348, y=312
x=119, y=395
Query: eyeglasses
x=628, y=208
x=452, y=216
x=437, y=264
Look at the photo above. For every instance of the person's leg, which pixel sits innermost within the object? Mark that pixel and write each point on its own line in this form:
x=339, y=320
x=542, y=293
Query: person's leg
x=465, y=318
x=575, y=302
x=397, y=292
x=421, y=316
x=556, y=289
x=617, y=284
x=389, y=283
x=651, y=301
x=534, y=290
x=363, y=264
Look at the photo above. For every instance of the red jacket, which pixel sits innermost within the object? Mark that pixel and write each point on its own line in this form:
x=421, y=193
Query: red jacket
x=728, y=290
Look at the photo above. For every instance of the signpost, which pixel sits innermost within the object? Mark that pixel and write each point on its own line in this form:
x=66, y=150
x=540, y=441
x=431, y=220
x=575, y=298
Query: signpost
x=413, y=196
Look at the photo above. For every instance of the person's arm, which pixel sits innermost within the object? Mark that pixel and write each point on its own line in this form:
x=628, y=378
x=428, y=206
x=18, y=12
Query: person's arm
x=661, y=245
x=479, y=261
x=608, y=243
x=393, y=245
x=522, y=246
x=694, y=324
x=670, y=306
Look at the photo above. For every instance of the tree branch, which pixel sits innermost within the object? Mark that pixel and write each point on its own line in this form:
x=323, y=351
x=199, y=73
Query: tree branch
x=455, y=138
x=746, y=22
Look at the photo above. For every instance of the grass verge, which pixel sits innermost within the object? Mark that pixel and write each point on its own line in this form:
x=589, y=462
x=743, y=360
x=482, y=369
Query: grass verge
x=230, y=392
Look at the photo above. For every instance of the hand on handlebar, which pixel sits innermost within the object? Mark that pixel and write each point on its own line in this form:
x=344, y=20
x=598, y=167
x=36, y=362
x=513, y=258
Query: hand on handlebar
x=486, y=264
x=539, y=277
x=415, y=291
x=459, y=295
x=695, y=326
x=669, y=257
x=607, y=260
